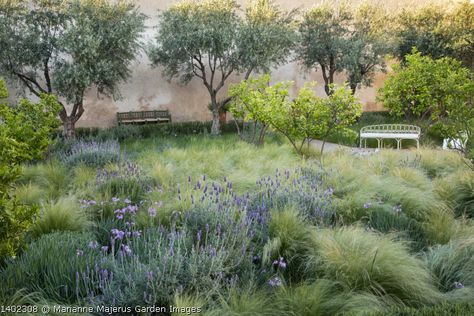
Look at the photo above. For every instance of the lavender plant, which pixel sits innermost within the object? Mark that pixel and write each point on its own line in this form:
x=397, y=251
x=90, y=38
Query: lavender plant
x=92, y=153
x=304, y=189
x=125, y=180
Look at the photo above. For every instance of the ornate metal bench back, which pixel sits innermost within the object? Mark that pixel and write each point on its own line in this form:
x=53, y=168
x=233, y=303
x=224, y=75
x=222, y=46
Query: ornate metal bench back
x=391, y=128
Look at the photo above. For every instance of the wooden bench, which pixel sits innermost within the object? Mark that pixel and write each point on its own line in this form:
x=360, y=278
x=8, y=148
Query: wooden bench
x=155, y=116
x=390, y=131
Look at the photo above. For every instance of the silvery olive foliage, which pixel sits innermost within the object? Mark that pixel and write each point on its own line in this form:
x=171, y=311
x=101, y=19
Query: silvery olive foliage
x=67, y=47
x=208, y=40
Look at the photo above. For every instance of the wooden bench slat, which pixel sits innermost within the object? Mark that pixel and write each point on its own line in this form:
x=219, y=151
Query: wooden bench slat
x=143, y=116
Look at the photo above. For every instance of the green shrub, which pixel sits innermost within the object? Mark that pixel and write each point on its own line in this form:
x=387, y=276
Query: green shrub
x=124, y=132
x=25, y=131
x=62, y=215
x=51, y=266
x=364, y=261
x=94, y=154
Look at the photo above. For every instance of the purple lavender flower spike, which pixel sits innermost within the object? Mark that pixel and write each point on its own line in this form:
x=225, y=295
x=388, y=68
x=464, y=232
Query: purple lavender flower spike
x=115, y=199
x=93, y=244
x=126, y=249
x=118, y=234
x=367, y=205
x=274, y=282
x=127, y=201
x=104, y=248
x=151, y=212
x=79, y=252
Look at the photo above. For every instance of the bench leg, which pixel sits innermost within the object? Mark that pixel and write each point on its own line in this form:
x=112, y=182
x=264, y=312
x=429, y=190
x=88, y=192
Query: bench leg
x=399, y=143
x=418, y=144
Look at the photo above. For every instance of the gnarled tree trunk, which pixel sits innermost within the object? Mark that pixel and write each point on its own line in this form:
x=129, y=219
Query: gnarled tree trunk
x=216, y=126
x=69, y=121
x=69, y=126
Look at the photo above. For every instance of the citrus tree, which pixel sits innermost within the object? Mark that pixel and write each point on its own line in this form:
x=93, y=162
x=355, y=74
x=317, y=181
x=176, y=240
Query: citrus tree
x=301, y=119
x=25, y=133
x=440, y=91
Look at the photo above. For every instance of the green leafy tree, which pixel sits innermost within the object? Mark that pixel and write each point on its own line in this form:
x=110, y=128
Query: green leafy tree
x=300, y=120
x=336, y=113
x=460, y=27
x=335, y=39
x=423, y=29
x=25, y=132
x=67, y=47
x=438, y=90
x=438, y=31
x=369, y=43
x=253, y=100
x=323, y=40
x=209, y=41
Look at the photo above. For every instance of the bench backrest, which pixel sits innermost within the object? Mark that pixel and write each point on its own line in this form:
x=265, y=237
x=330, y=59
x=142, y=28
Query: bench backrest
x=391, y=128
x=138, y=115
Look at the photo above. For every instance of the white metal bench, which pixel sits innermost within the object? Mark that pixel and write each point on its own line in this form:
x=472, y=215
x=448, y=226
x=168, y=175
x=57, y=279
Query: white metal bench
x=390, y=131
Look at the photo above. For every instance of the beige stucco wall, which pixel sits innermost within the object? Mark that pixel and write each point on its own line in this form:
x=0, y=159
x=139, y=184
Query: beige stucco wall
x=147, y=89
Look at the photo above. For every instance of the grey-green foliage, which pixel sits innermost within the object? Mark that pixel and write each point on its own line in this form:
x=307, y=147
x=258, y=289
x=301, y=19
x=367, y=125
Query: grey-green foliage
x=335, y=39
x=66, y=47
x=51, y=266
x=210, y=41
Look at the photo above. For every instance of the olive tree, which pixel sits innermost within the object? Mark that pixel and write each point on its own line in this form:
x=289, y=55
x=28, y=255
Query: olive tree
x=336, y=39
x=323, y=41
x=369, y=43
x=438, y=31
x=209, y=41
x=67, y=47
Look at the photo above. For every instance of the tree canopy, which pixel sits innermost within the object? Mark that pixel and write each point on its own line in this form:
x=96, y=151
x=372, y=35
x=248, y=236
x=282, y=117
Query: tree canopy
x=301, y=119
x=67, y=47
x=440, y=90
x=437, y=31
x=208, y=40
x=336, y=39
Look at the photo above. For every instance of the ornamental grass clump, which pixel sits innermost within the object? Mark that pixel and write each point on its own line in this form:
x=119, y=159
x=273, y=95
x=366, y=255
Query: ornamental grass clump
x=452, y=265
x=62, y=215
x=325, y=298
x=365, y=261
x=92, y=153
